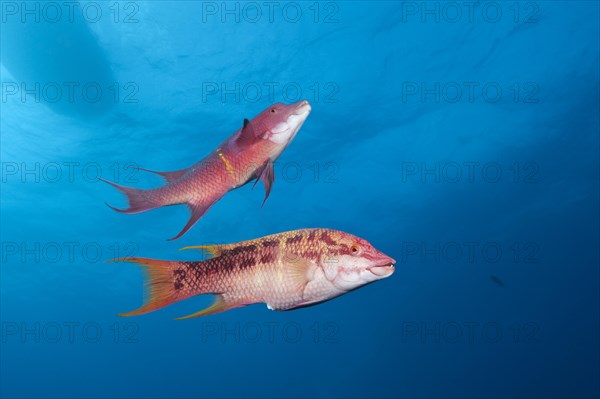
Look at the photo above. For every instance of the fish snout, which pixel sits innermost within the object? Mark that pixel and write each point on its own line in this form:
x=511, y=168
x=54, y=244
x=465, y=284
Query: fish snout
x=384, y=266
x=301, y=108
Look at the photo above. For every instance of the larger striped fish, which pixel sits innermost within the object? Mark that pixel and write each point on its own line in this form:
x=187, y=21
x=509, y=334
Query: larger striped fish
x=246, y=155
x=285, y=271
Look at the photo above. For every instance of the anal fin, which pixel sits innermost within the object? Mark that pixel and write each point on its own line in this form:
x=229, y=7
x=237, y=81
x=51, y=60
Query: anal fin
x=219, y=305
x=198, y=210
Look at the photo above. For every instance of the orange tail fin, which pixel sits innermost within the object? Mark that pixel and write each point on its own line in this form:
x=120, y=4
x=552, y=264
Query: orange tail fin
x=158, y=284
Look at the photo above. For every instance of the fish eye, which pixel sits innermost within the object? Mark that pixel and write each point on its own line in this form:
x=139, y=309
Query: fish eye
x=272, y=109
x=355, y=249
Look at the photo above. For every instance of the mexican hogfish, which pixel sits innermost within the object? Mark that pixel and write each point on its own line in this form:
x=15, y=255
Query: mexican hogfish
x=247, y=155
x=285, y=271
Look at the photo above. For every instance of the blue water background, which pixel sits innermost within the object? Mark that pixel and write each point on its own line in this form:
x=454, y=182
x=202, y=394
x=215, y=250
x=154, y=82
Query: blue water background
x=365, y=137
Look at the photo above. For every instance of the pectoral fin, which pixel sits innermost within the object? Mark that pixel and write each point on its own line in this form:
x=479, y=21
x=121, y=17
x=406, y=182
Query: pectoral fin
x=267, y=176
x=219, y=305
x=294, y=273
x=296, y=270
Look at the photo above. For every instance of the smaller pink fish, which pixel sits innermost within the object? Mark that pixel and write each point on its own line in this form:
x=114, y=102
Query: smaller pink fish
x=285, y=271
x=247, y=155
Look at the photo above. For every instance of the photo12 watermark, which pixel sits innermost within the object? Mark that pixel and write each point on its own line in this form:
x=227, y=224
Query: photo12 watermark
x=469, y=92
x=253, y=92
x=453, y=12
x=54, y=12
x=68, y=332
x=70, y=92
x=471, y=172
x=470, y=252
x=325, y=332
x=65, y=252
x=68, y=172
x=253, y=12
x=469, y=332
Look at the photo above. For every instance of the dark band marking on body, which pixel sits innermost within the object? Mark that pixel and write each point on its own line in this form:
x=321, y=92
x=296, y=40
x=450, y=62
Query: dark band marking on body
x=294, y=240
x=270, y=243
x=327, y=239
x=247, y=262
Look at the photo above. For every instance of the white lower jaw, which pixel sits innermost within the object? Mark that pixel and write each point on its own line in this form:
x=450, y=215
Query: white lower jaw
x=294, y=123
x=382, y=271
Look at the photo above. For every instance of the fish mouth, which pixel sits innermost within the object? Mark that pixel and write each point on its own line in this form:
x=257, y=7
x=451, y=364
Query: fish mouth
x=384, y=269
x=302, y=108
x=283, y=133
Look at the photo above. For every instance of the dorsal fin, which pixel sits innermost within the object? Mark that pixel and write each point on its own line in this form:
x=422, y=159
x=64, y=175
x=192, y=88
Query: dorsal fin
x=168, y=176
x=213, y=250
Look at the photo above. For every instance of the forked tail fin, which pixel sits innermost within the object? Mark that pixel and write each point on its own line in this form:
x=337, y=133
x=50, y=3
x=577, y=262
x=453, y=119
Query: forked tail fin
x=138, y=200
x=141, y=201
x=165, y=284
x=159, y=284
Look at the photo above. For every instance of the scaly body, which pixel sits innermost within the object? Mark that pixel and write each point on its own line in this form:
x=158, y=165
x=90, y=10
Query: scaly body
x=284, y=271
x=247, y=155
